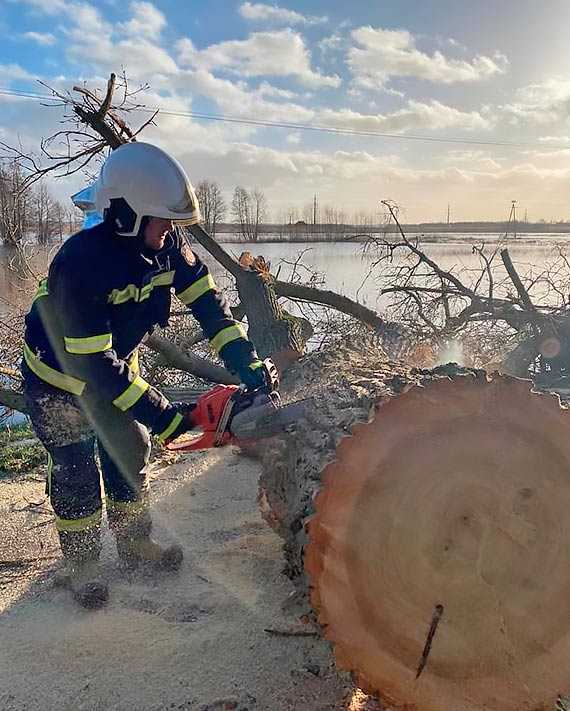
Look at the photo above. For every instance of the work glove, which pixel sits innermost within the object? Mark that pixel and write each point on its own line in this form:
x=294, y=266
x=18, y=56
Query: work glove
x=180, y=423
x=260, y=375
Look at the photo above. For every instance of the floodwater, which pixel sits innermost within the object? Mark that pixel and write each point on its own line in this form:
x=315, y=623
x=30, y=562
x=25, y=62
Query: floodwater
x=345, y=267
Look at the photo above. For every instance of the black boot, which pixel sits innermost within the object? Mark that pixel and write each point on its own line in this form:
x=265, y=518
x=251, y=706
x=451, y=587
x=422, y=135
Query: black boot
x=81, y=551
x=134, y=543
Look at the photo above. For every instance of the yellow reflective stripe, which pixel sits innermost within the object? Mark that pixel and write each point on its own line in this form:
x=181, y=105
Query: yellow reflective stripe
x=128, y=507
x=90, y=344
x=133, y=362
x=196, y=290
x=120, y=296
x=132, y=394
x=256, y=365
x=78, y=524
x=49, y=469
x=164, y=279
x=176, y=420
x=51, y=376
x=42, y=290
x=227, y=335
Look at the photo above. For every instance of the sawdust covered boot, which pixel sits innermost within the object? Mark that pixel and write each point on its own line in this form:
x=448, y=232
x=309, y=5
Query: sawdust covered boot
x=81, y=551
x=135, y=547
x=146, y=551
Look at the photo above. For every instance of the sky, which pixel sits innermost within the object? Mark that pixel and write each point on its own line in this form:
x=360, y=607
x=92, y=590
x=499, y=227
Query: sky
x=427, y=103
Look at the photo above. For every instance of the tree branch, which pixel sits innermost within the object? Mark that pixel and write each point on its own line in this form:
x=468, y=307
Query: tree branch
x=515, y=278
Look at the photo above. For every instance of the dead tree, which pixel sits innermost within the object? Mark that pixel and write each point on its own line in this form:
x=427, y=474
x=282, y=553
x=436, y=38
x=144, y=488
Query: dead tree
x=522, y=322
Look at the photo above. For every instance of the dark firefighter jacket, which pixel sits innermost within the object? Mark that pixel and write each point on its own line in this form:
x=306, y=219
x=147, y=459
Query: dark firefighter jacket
x=102, y=295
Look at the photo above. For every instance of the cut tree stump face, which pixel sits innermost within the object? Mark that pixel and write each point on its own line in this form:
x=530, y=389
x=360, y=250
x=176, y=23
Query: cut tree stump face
x=440, y=551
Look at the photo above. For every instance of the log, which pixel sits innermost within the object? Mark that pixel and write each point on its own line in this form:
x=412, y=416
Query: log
x=273, y=331
x=13, y=400
x=424, y=516
x=200, y=367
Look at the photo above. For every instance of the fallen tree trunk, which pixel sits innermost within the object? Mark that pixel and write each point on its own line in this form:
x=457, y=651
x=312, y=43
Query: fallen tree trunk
x=200, y=367
x=424, y=517
x=13, y=400
x=274, y=332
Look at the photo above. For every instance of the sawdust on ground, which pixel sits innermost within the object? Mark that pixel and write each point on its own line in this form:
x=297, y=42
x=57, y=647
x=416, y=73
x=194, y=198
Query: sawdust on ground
x=196, y=640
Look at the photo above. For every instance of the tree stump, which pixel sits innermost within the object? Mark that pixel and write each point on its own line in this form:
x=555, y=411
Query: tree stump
x=425, y=517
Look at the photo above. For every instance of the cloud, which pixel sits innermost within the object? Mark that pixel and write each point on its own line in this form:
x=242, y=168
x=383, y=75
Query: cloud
x=384, y=54
x=142, y=59
x=44, y=39
x=543, y=103
x=46, y=7
x=279, y=53
x=415, y=115
x=258, y=12
x=239, y=100
x=88, y=23
x=146, y=21
x=11, y=72
x=555, y=140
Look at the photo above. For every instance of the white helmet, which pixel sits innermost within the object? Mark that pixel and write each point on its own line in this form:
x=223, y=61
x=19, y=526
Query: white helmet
x=140, y=180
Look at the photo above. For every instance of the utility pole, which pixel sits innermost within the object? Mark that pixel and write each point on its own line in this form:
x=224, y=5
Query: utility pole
x=513, y=217
x=314, y=210
x=526, y=216
x=448, y=211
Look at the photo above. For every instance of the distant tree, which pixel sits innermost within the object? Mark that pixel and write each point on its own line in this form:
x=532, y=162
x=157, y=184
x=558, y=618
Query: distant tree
x=14, y=201
x=249, y=210
x=241, y=212
x=44, y=213
x=212, y=205
x=259, y=211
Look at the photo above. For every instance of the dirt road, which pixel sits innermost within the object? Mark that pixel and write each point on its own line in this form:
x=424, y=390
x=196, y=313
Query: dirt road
x=195, y=640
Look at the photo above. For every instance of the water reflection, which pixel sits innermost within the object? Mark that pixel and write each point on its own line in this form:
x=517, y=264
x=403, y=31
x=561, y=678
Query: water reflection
x=343, y=267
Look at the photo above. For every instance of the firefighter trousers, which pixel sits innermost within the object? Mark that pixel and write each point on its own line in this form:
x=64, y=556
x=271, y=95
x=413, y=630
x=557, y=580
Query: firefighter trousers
x=77, y=432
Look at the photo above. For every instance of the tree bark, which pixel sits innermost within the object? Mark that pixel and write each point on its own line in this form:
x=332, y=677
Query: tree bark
x=273, y=331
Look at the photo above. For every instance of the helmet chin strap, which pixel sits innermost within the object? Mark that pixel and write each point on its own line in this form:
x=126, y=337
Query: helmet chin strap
x=144, y=223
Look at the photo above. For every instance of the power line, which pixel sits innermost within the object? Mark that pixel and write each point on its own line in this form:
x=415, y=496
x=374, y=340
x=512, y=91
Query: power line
x=305, y=126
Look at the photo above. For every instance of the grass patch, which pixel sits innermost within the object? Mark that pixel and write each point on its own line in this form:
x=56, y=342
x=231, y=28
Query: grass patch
x=18, y=458
x=9, y=433
x=21, y=459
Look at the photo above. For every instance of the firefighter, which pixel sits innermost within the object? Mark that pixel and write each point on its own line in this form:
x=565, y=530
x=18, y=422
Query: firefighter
x=107, y=287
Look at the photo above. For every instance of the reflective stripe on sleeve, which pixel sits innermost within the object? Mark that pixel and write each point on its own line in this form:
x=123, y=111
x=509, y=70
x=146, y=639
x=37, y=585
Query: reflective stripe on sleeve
x=133, y=362
x=75, y=525
x=176, y=420
x=196, y=290
x=132, y=394
x=131, y=291
x=51, y=376
x=88, y=345
x=164, y=279
x=121, y=296
x=42, y=290
x=227, y=335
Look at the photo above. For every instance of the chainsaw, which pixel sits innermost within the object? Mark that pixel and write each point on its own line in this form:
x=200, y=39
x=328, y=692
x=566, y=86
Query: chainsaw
x=231, y=414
